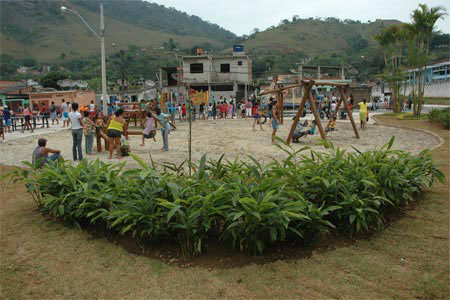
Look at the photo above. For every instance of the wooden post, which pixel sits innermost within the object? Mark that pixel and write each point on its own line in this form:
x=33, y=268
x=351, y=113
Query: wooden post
x=190, y=130
x=99, y=140
x=281, y=106
x=316, y=116
x=99, y=132
x=300, y=111
x=350, y=115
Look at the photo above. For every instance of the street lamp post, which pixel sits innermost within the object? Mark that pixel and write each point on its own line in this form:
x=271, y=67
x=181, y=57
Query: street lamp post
x=101, y=37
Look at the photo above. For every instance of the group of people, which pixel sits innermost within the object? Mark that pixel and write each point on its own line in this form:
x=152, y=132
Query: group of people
x=6, y=113
x=90, y=122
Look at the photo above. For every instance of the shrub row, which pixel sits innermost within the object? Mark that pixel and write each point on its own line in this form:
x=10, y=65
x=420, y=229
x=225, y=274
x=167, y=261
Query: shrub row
x=244, y=204
x=440, y=115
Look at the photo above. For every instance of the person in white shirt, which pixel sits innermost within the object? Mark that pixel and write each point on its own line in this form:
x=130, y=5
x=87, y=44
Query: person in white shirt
x=333, y=97
x=92, y=109
x=333, y=107
x=77, y=132
x=65, y=113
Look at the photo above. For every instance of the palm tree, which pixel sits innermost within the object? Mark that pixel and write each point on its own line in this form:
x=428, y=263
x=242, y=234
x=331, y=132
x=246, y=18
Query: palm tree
x=423, y=21
x=393, y=40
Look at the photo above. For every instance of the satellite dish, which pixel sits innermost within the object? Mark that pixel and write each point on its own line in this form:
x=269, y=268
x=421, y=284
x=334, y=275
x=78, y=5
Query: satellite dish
x=294, y=71
x=65, y=83
x=149, y=83
x=81, y=83
x=31, y=82
x=174, y=76
x=119, y=81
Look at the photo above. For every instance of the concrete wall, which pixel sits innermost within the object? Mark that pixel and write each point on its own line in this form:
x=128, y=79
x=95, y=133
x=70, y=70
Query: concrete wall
x=211, y=69
x=238, y=73
x=439, y=89
x=196, y=77
x=81, y=97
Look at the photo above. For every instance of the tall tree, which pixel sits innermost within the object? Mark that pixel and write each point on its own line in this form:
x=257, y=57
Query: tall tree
x=393, y=41
x=423, y=22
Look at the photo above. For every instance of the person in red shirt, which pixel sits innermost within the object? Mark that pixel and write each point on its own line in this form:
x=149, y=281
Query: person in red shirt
x=27, y=115
x=44, y=116
x=183, y=112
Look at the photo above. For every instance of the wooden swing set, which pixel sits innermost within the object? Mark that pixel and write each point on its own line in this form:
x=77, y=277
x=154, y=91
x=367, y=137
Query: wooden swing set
x=307, y=87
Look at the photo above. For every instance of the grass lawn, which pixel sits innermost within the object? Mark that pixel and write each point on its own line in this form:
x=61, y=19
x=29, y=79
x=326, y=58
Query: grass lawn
x=42, y=259
x=437, y=101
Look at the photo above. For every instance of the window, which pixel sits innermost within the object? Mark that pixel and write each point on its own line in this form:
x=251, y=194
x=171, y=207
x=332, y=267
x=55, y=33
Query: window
x=239, y=62
x=224, y=68
x=196, y=68
x=222, y=88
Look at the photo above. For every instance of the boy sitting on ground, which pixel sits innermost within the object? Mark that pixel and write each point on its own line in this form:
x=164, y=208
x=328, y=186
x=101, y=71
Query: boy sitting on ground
x=40, y=155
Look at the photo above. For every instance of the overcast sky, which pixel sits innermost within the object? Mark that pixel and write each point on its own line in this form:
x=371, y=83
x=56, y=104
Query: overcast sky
x=242, y=16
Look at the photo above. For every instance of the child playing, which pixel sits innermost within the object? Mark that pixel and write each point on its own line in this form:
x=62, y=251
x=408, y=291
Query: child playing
x=305, y=133
x=149, y=130
x=257, y=116
x=124, y=147
x=331, y=126
x=89, y=126
x=298, y=130
x=27, y=114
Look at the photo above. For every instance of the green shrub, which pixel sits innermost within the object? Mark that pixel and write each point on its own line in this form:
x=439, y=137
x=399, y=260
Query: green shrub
x=245, y=204
x=440, y=115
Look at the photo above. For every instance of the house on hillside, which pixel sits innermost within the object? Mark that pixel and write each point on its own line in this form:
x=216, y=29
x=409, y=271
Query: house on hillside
x=22, y=70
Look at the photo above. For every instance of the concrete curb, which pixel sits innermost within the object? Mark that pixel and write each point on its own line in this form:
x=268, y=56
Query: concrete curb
x=441, y=141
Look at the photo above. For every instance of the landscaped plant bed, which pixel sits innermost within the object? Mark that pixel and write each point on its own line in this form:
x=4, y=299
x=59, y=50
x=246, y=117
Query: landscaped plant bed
x=440, y=115
x=243, y=206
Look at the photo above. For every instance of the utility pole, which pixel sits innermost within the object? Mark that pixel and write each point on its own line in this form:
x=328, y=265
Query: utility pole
x=101, y=37
x=122, y=73
x=102, y=42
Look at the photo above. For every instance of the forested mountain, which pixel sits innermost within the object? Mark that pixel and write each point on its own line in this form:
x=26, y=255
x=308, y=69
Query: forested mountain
x=328, y=41
x=158, y=17
x=39, y=29
x=35, y=33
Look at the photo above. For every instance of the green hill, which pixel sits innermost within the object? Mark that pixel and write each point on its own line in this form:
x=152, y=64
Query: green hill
x=38, y=28
x=313, y=36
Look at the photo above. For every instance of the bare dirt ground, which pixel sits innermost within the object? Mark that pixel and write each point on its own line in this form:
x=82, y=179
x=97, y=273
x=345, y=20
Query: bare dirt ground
x=235, y=138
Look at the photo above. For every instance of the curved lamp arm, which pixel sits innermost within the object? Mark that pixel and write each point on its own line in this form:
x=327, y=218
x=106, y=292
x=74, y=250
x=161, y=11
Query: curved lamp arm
x=63, y=8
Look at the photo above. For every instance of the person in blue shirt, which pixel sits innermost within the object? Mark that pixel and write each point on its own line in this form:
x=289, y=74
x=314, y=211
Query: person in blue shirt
x=110, y=109
x=165, y=128
x=7, y=118
x=171, y=108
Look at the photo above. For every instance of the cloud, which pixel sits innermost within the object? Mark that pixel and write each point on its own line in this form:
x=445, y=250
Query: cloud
x=241, y=17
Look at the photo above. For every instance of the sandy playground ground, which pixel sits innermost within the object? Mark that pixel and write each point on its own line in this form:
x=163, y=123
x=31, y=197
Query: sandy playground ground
x=235, y=138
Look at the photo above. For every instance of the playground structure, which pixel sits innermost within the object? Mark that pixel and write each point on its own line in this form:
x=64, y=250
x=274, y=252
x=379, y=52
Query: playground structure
x=129, y=114
x=132, y=111
x=307, y=86
x=135, y=112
